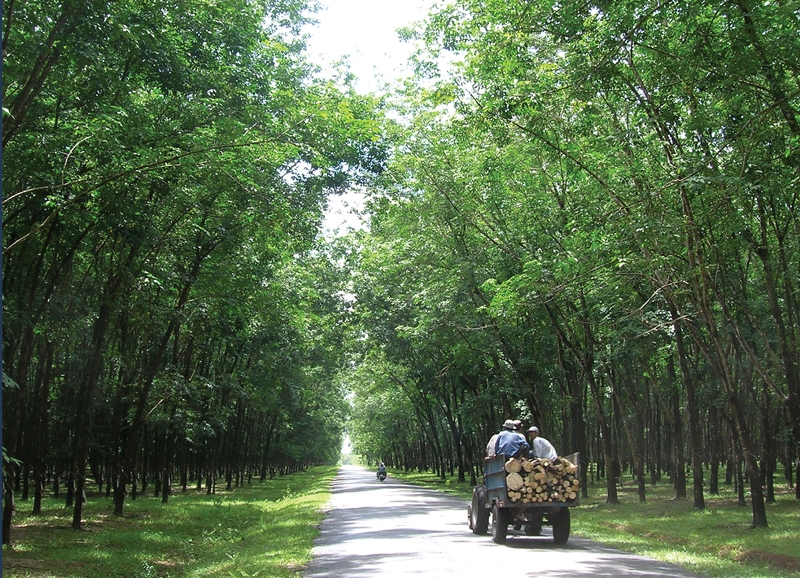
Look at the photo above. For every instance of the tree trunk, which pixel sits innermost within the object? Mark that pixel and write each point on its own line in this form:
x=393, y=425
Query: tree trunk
x=119, y=494
x=714, y=450
x=80, y=485
x=740, y=484
x=38, y=481
x=577, y=419
x=70, y=497
x=8, y=510
x=150, y=367
x=695, y=432
x=631, y=431
x=677, y=426
x=797, y=468
x=48, y=56
x=767, y=447
x=166, y=490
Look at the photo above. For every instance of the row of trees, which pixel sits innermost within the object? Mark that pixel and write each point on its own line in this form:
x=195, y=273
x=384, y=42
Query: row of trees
x=591, y=224
x=167, y=313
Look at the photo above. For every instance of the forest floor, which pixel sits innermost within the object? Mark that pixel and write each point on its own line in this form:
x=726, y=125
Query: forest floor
x=717, y=541
x=263, y=529
x=267, y=529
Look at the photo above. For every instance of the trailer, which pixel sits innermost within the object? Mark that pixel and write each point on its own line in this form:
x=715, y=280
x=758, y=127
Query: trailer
x=491, y=503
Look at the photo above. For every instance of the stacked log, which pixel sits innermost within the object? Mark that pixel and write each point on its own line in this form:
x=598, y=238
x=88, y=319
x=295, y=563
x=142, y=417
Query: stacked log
x=539, y=480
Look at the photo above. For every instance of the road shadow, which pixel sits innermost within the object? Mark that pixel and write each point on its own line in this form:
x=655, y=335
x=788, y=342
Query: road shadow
x=393, y=528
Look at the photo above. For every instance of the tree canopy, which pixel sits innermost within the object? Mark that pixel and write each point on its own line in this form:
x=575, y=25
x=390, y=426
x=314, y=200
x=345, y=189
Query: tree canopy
x=590, y=223
x=167, y=308
x=581, y=215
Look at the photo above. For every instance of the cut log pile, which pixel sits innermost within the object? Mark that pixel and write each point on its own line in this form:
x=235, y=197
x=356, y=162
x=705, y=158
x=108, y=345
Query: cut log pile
x=533, y=481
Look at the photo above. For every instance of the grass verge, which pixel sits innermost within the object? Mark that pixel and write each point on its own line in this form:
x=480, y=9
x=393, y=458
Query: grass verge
x=266, y=530
x=717, y=541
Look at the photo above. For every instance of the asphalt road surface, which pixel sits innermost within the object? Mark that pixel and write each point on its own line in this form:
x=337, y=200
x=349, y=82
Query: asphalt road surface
x=391, y=529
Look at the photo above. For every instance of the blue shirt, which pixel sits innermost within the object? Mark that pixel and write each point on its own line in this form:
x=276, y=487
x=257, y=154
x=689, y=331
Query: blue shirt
x=509, y=443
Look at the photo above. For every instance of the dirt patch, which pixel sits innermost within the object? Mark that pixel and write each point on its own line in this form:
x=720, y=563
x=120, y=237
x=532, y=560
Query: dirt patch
x=665, y=538
x=617, y=527
x=37, y=568
x=778, y=561
x=21, y=563
x=727, y=551
x=33, y=531
x=40, y=529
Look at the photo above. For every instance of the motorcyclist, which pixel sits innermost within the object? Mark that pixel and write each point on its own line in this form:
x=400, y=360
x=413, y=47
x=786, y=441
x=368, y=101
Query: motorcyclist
x=381, y=471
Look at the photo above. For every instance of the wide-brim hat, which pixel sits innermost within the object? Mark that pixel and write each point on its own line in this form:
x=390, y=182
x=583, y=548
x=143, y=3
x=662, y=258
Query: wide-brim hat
x=509, y=424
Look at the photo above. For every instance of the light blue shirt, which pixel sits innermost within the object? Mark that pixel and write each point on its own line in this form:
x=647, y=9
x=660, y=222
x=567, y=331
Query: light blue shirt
x=543, y=449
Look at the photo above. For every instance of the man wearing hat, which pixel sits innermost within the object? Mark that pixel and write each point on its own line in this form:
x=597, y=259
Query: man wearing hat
x=540, y=447
x=510, y=443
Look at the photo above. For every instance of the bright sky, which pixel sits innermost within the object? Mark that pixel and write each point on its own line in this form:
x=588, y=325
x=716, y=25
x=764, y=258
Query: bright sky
x=365, y=32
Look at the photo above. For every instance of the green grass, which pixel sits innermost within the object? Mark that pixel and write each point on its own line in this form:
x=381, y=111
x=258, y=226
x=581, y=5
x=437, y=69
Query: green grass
x=716, y=542
x=264, y=530
x=267, y=530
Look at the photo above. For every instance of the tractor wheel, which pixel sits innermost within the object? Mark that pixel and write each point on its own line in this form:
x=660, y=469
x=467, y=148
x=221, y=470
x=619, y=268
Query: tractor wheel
x=478, y=514
x=560, y=522
x=500, y=519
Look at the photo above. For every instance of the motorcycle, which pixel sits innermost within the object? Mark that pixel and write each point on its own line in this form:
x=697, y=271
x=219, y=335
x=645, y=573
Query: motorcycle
x=381, y=476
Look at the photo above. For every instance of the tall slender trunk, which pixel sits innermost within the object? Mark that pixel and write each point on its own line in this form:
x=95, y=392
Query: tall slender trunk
x=632, y=431
x=84, y=414
x=48, y=56
x=768, y=460
x=678, y=443
x=714, y=449
x=8, y=509
x=584, y=357
x=577, y=420
x=40, y=423
x=695, y=432
x=150, y=367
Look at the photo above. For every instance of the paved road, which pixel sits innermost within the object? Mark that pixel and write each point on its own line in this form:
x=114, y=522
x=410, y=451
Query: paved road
x=394, y=529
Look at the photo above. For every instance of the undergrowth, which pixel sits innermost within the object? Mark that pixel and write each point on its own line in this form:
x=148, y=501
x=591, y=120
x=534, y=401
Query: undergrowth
x=265, y=529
